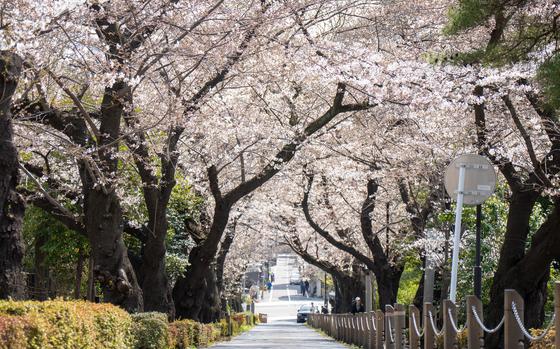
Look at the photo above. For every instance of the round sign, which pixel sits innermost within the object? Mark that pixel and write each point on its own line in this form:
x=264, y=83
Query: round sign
x=480, y=178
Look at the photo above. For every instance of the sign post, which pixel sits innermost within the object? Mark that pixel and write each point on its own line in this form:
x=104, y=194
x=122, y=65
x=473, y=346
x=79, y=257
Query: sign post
x=470, y=180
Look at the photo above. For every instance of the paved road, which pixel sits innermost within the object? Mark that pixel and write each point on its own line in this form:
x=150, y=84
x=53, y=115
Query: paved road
x=281, y=334
x=281, y=305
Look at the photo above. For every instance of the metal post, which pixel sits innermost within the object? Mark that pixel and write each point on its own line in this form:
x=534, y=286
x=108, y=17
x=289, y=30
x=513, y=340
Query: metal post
x=457, y=234
x=325, y=292
x=475, y=333
x=449, y=336
x=477, y=262
x=513, y=336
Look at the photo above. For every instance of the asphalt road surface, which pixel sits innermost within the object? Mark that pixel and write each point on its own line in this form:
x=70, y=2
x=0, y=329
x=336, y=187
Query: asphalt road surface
x=281, y=305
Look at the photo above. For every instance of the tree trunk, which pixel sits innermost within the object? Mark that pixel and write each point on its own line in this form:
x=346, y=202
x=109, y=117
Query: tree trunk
x=529, y=274
x=196, y=294
x=347, y=288
x=79, y=274
x=41, y=287
x=388, y=279
x=155, y=284
x=112, y=268
x=12, y=206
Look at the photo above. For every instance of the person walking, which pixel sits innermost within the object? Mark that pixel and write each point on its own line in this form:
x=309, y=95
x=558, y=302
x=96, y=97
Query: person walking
x=357, y=306
x=307, y=288
x=302, y=287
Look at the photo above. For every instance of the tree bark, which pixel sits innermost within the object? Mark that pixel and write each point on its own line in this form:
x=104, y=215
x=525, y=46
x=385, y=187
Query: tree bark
x=155, y=284
x=79, y=274
x=12, y=206
x=529, y=276
x=347, y=288
x=102, y=209
x=196, y=293
x=388, y=284
x=41, y=288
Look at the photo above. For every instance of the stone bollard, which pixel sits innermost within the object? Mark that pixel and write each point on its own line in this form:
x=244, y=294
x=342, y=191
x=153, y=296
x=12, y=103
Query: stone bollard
x=513, y=336
x=399, y=317
x=449, y=333
x=429, y=335
x=390, y=336
x=476, y=334
x=414, y=317
x=380, y=329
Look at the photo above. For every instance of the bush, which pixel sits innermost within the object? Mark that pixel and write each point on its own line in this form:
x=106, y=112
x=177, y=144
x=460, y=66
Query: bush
x=547, y=342
x=62, y=324
x=187, y=333
x=150, y=330
x=84, y=325
x=12, y=332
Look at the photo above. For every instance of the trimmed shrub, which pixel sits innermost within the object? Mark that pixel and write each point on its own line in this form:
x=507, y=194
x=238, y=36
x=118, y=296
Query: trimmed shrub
x=64, y=324
x=150, y=330
x=547, y=342
x=12, y=332
x=188, y=333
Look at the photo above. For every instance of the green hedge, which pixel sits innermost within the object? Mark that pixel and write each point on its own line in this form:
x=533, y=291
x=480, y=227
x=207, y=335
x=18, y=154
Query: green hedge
x=84, y=325
x=60, y=324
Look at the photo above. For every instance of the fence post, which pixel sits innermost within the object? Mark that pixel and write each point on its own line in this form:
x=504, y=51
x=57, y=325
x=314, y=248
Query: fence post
x=450, y=335
x=380, y=325
x=476, y=335
x=513, y=336
x=389, y=327
x=557, y=314
x=370, y=319
x=399, y=322
x=429, y=335
x=367, y=330
x=346, y=328
x=413, y=317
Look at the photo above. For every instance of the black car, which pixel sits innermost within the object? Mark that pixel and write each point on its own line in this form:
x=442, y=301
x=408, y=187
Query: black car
x=303, y=311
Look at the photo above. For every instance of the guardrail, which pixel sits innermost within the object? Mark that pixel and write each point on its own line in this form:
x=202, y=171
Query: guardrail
x=391, y=330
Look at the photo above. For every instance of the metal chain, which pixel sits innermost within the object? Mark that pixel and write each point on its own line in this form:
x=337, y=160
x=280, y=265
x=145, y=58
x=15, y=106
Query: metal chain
x=391, y=337
x=436, y=332
x=484, y=328
x=416, y=327
x=524, y=330
x=453, y=323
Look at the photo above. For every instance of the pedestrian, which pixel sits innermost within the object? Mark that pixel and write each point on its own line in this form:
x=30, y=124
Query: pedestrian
x=307, y=288
x=272, y=277
x=302, y=287
x=357, y=306
x=269, y=286
x=324, y=309
x=313, y=310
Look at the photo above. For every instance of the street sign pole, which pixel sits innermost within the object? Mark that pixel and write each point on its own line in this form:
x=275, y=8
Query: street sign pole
x=457, y=233
x=477, y=263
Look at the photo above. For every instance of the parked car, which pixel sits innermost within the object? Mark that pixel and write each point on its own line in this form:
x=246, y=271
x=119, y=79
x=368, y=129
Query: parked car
x=303, y=312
